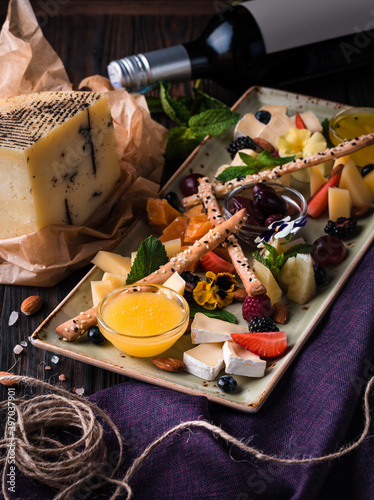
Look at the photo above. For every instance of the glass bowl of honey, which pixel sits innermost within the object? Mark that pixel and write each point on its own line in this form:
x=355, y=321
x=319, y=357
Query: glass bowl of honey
x=143, y=320
x=350, y=123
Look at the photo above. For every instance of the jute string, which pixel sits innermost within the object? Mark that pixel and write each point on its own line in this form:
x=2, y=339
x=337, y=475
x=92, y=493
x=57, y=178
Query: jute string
x=69, y=467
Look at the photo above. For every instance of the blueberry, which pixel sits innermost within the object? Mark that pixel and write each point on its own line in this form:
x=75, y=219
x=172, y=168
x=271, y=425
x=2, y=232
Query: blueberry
x=319, y=275
x=227, y=383
x=367, y=169
x=95, y=336
x=263, y=116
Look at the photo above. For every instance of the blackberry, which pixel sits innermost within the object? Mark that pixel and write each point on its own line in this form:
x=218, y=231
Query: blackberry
x=263, y=116
x=244, y=142
x=227, y=383
x=342, y=228
x=191, y=281
x=262, y=325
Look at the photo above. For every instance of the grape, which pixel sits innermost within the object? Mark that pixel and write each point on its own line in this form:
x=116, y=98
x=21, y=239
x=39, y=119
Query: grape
x=174, y=201
x=266, y=200
x=329, y=250
x=367, y=169
x=190, y=185
x=254, y=217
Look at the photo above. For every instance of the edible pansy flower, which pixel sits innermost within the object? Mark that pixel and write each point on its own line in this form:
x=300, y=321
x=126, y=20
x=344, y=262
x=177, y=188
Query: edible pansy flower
x=300, y=142
x=216, y=291
x=281, y=229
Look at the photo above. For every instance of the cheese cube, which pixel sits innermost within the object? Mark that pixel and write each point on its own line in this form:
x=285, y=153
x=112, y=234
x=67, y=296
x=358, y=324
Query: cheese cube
x=340, y=203
x=172, y=247
x=113, y=263
x=58, y=159
x=99, y=290
x=176, y=283
x=351, y=179
x=116, y=279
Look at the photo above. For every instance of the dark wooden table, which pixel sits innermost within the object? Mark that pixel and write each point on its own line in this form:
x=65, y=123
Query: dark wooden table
x=87, y=35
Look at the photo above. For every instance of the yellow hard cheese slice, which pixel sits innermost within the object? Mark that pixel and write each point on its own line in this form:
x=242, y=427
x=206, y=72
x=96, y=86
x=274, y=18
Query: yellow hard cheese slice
x=176, y=283
x=340, y=203
x=58, y=159
x=113, y=263
x=351, y=179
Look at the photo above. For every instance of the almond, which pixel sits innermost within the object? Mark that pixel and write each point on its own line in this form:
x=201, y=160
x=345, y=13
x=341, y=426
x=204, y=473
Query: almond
x=7, y=381
x=264, y=144
x=361, y=210
x=169, y=364
x=279, y=312
x=239, y=294
x=31, y=305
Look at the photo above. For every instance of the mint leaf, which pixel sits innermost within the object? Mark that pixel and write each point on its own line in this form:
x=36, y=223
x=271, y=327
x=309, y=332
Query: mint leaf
x=150, y=256
x=275, y=260
x=215, y=313
x=265, y=160
x=326, y=132
x=212, y=122
x=180, y=139
x=301, y=248
x=206, y=101
x=176, y=110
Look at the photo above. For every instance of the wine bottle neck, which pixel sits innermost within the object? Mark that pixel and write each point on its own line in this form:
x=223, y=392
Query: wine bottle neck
x=139, y=72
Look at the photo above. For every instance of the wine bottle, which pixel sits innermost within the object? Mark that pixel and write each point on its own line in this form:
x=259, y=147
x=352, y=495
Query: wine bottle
x=262, y=42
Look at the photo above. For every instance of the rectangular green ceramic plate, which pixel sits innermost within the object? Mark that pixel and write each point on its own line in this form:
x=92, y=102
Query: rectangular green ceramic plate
x=252, y=392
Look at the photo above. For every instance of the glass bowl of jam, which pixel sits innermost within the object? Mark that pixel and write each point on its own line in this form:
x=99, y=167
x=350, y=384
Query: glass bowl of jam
x=265, y=203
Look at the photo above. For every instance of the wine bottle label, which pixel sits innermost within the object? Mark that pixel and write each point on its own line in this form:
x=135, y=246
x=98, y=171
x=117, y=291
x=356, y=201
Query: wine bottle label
x=286, y=24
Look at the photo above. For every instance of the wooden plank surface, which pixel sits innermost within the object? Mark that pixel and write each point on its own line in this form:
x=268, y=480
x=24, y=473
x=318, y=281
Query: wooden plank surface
x=87, y=39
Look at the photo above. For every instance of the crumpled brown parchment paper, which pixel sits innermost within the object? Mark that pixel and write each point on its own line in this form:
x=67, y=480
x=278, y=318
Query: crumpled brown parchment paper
x=43, y=258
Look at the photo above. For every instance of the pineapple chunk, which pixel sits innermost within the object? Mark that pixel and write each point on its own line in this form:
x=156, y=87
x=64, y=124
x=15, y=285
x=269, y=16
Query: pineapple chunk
x=100, y=289
x=176, y=283
x=267, y=279
x=116, y=280
x=340, y=203
x=369, y=182
x=351, y=179
x=286, y=274
x=112, y=263
x=302, y=284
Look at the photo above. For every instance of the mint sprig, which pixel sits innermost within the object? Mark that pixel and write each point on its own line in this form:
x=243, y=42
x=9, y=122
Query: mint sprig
x=150, y=256
x=216, y=313
x=274, y=261
x=264, y=161
x=326, y=132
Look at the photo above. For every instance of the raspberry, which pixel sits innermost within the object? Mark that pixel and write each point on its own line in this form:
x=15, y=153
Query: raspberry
x=259, y=306
x=262, y=325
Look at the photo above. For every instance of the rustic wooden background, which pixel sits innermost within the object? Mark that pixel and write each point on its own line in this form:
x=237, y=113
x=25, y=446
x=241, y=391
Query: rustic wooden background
x=87, y=35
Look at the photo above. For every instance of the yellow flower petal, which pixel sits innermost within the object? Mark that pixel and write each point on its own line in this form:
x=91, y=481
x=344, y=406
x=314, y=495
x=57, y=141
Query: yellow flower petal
x=293, y=142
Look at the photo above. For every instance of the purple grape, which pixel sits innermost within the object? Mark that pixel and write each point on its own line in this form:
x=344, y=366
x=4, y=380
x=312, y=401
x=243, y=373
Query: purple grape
x=267, y=201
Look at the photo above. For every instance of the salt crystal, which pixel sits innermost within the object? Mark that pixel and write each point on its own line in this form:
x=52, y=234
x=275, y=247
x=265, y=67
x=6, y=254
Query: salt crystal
x=23, y=343
x=13, y=318
x=47, y=367
x=18, y=349
x=79, y=391
x=55, y=359
x=62, y=377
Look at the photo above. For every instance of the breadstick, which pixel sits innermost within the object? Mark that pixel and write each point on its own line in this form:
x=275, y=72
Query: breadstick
x=74, y=328
x=192, y=254
x=252, y=284
x=343, y=149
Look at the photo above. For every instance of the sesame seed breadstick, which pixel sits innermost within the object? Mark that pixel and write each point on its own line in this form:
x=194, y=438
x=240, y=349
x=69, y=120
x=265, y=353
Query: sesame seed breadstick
x=252, y=284
x=72, y=329
x=342, y=149
x=75, y=327
x=192, y=254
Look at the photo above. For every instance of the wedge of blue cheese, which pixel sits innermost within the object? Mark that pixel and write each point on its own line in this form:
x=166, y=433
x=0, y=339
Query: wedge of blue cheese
x=58, y=159
x=204, y=361
x=239, y=361
x=206, y=330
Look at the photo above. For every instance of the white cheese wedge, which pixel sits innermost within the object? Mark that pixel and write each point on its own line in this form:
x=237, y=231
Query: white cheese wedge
x=207, y=330
x=310, y=121
x=248, y=125
x=176, y=283
x=351, y=179
x=204, y=361
x=239, y=361
x=58, y=159
x=279, y=108
x=113, y=263
x=339, y=203
x=278, y=125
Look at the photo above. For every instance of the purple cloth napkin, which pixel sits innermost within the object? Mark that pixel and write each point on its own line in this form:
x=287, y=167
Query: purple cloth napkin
x=314, y=410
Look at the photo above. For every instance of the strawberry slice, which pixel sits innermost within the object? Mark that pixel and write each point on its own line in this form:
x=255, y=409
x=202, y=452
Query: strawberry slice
x=299, y=121
x=265, y=344
x=318, y=203
x=214, y=263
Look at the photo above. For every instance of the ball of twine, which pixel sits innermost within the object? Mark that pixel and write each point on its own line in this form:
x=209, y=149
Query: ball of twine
x=69, y=467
